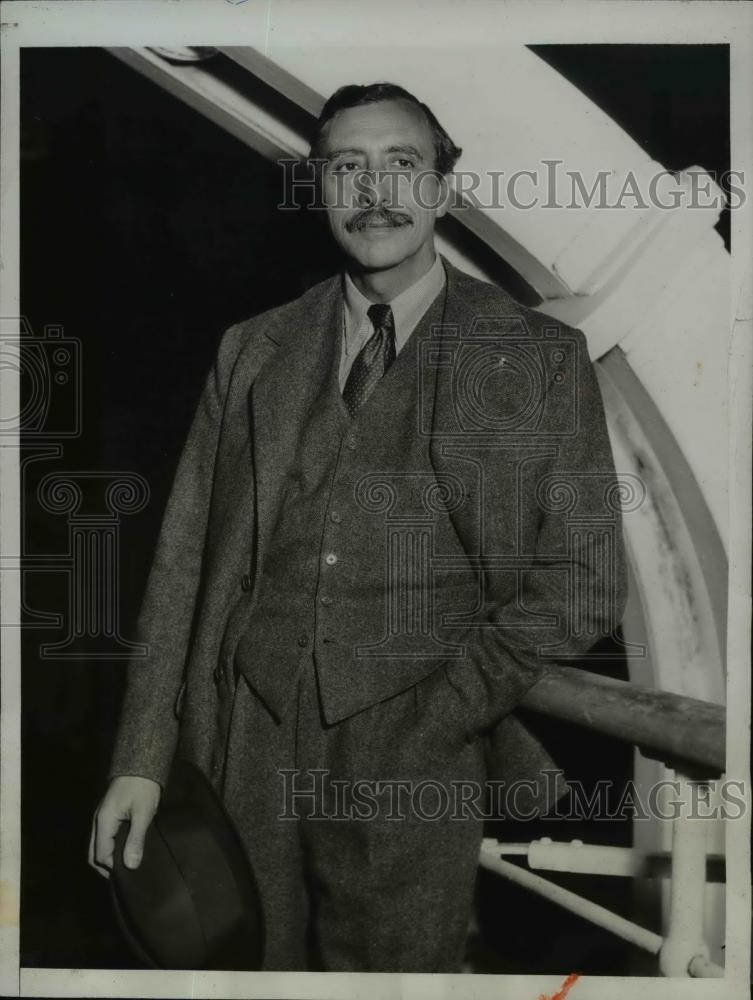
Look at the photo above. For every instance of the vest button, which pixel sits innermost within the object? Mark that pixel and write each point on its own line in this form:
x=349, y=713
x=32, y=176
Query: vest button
x=336, y=516
x=246, y=582
x=352, y=443
x=303, y=640
x=325, y=600
x=330, y=559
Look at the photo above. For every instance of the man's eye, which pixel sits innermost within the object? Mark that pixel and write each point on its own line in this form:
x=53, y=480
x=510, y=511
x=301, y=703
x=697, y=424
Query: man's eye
x=345, y=168
x=402, y=163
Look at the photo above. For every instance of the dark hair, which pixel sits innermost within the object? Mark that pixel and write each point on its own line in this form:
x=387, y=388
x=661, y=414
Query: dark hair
x=353, y=95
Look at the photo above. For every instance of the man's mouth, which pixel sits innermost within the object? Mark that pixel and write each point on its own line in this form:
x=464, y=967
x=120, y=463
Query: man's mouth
x=371, y=219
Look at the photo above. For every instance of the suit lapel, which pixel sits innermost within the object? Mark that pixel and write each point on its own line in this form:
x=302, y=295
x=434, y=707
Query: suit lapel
x=465, y=307
x=451, y=450
x=281, y=399
x=474, y=430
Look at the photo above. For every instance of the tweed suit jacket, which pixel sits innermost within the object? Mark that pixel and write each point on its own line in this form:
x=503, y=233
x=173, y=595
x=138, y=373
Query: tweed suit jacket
x=543, y=436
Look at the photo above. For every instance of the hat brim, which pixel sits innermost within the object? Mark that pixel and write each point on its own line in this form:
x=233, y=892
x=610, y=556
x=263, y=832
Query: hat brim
x=193, y=902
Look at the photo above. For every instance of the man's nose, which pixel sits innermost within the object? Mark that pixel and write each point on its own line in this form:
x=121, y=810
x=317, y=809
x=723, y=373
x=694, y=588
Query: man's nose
x=372, y=188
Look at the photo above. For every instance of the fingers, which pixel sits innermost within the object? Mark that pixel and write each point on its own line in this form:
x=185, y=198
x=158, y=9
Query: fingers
x=133, y=851
x=106, y=825
x=90, y=857
x=129, y=798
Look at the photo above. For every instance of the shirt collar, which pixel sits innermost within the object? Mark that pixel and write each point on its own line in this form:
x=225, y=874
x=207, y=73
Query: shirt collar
x=407, y=308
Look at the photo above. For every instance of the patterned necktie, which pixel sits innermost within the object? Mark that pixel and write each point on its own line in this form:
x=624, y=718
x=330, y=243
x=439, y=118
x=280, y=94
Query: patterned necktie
x=373, y=360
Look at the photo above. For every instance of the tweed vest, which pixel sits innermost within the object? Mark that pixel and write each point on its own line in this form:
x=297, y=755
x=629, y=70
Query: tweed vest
x=364, y=570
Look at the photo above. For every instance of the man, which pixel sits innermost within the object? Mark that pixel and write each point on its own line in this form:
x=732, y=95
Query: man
x=365, y=563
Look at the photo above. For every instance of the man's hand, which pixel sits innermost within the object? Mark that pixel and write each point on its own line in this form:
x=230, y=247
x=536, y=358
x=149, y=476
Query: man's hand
x=129, y=797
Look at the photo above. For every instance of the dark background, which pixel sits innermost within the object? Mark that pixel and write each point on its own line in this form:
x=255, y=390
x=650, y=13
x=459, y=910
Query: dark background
x=146, y=232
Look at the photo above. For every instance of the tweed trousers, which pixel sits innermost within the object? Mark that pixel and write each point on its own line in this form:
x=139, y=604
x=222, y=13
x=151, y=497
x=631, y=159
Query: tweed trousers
x=383, y=887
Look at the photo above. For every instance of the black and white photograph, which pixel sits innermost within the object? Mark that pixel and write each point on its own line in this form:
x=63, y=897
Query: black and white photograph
x=375, y=452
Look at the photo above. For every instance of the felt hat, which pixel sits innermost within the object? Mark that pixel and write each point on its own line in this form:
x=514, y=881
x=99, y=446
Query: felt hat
x=193, y=902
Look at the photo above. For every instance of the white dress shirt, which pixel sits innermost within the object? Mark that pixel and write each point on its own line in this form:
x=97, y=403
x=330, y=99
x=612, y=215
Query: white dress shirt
x=407, y=309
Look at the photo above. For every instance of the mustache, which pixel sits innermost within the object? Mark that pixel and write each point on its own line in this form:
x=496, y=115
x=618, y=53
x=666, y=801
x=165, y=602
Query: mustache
x=381, y=216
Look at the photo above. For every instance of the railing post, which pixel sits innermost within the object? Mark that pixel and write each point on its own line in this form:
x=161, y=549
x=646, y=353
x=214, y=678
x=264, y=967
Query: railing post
x=684, y=950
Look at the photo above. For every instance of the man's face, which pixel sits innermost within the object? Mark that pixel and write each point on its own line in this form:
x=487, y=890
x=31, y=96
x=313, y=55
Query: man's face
x=381, y=203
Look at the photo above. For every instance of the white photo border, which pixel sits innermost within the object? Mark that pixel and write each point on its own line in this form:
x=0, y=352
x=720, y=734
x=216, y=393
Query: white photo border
x=334, y=22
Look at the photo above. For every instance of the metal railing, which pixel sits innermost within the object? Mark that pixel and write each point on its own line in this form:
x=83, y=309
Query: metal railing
x=683, y=733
